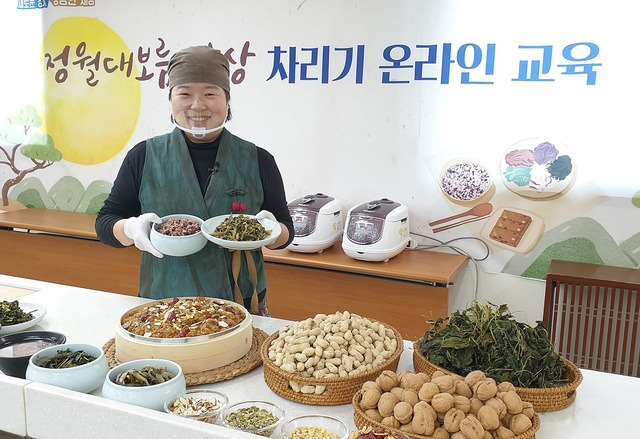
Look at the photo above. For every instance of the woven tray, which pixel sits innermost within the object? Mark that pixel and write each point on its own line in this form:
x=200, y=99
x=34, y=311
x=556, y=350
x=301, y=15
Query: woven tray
x=362, y=421
x=543, y=400
x=338, y=390
x=250, y=361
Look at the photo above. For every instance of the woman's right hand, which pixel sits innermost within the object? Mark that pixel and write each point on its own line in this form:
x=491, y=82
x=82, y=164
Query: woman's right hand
x=138, y=228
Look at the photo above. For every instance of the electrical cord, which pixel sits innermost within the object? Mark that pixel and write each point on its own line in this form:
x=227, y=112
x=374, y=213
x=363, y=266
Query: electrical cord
x=447, y=244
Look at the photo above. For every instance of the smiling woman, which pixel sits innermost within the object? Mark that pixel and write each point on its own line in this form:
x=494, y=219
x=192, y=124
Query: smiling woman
x=91, y=96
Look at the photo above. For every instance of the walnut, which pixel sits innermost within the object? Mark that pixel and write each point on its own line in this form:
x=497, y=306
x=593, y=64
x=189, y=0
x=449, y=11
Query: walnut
x=391, y=421
x=386, y=404
x=452, y=420
x=513, y=402
x=410, y=396
x=428, y=391
x=397, y=391
x=445, y=383
x=475, y=405
x=370, y=384
x=387, y=380
x=498, y=405
x=442, y=402
x=520, y=423
x=411, y=381
x=440, y=433
x=463, y=388
x=462, y=403
x=527, y=409
x=403, y=412
x=505, y=386
x=472, y=428
x=423, y=421
x=370, y=398
x=473, y=377
x=485, y=389
x=505, y=433
x=373, y=414
x=488, y=417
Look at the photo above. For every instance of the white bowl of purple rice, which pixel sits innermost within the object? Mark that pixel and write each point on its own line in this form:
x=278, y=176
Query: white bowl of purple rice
x=465, y=180
x=178, y=235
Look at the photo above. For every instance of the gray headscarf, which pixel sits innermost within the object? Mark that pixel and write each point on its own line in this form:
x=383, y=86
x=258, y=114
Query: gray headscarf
x=199, y=64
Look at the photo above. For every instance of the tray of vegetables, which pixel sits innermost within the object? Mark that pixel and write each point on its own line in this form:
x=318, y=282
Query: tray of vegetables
x=487, y=337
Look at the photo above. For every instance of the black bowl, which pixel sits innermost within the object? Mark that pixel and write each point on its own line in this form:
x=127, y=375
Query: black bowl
x=17, y=348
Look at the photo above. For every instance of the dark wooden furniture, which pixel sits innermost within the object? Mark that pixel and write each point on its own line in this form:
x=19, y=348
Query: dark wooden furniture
x=593, y=315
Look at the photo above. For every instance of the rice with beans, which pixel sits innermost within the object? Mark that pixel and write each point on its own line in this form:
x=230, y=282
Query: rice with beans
x=183, y=317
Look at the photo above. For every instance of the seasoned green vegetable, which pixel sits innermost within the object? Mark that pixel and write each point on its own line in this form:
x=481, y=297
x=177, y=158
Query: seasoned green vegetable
x=147, y=376
x=12, y=314
x=488, y=338
x=66, y=358
x=241, y=228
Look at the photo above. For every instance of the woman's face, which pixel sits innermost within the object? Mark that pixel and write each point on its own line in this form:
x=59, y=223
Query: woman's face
x=199, y=105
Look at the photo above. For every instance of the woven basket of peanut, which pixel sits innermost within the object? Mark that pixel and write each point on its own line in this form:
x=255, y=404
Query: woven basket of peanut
x=324, y=360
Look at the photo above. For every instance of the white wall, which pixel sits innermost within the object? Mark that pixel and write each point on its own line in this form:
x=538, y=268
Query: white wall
x=366, y=141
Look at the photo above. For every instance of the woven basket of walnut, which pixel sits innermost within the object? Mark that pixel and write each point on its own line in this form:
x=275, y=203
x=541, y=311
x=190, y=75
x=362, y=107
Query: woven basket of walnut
x=324, y=360
x=441, y=406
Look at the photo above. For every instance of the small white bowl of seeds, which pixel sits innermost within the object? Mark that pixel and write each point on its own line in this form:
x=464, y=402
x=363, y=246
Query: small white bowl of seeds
x=261, y=418
x=198, y=404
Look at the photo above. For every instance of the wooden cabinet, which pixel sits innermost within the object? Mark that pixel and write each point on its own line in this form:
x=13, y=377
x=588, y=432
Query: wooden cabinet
x=405, y=292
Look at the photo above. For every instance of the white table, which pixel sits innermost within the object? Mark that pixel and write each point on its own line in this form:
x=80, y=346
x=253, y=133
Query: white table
x=41, y=411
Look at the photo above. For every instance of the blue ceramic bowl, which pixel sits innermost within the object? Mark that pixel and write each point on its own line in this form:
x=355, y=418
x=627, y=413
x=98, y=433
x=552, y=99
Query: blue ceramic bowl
x=153, y=396
x=178, y=245
x=84, y=378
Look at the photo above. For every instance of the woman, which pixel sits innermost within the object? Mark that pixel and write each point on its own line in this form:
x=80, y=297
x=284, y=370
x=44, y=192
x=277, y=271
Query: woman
x=201, y=169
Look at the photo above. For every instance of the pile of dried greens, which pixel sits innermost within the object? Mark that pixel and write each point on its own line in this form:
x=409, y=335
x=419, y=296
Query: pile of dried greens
x=12, y=314
x=488, y=338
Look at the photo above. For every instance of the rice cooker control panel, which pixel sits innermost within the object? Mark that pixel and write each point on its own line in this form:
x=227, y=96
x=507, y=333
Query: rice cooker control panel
x=304, y=212
x=366, y=222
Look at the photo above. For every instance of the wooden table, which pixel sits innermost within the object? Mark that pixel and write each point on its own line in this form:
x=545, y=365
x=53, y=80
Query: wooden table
x=62, y=247
x=405, y=292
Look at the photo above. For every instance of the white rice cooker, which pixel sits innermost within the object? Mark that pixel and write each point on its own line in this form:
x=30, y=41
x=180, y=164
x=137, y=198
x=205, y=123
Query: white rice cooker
x=376, y=231
x=317, y=222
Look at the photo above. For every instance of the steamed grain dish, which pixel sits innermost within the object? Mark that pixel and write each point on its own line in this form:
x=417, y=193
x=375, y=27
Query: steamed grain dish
x=183, y=317
x=241, y=228
x=179, y=227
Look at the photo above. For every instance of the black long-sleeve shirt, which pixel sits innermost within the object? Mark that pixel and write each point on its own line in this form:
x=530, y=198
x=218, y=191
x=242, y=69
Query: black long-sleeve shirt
x=123, y=200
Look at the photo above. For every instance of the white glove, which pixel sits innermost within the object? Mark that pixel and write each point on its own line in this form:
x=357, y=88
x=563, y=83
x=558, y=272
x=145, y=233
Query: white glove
x=266, y=214
x=138, y=228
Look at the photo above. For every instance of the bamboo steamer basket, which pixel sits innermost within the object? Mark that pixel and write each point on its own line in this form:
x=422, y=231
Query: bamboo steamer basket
x=543, y=400
x=193, y=354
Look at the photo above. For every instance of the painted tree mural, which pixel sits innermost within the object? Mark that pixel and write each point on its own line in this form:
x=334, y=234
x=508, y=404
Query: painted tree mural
x=40, y=149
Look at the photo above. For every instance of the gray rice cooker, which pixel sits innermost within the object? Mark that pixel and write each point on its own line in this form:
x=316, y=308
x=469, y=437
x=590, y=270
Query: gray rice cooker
x=317, y=223
x=376, y=231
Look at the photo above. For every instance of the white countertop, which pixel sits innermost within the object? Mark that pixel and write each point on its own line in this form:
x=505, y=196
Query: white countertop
x=88, y=316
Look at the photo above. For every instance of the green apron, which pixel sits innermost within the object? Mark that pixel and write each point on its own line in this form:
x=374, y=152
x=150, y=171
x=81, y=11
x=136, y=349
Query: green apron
x=170, y=186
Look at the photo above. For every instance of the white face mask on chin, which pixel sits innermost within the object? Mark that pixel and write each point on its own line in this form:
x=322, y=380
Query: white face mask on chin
x=198, y=132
